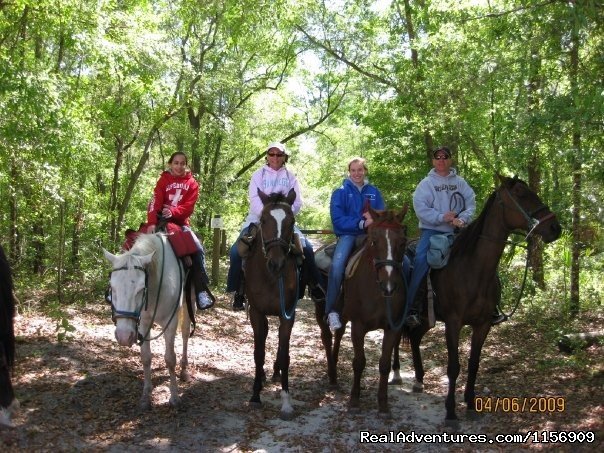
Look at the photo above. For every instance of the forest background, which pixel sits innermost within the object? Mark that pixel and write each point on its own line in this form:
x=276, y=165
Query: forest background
x=95, y=95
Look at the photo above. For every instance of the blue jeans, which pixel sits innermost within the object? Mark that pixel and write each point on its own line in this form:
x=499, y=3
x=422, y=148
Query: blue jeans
x=235, y=268
x=200, y=257
x=343, y=250
x=420, y=264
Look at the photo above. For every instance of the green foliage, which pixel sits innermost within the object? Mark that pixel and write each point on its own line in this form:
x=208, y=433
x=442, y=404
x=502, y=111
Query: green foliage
x=95, y=97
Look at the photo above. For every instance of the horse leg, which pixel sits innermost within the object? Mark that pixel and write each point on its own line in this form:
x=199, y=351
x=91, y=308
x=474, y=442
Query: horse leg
x=452, y=336
x=335, y=352
x=390, y=340
x=396, y=366
x=170, y=359
x=260, y=326
x=285, y=330
x=326, y=339
x=479, y=335
x=358, y=365
x=145, y=402
x=415, y=338
x=185, y=330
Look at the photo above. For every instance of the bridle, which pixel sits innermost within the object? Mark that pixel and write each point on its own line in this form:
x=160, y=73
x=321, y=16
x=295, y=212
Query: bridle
x=115, y=313
x=531, y=220
x=136, y=315
x=278, y=241
x=398, y=266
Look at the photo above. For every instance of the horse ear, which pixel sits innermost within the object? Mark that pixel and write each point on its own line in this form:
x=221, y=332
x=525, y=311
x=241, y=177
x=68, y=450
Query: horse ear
x=291, y=196
x=262, y=196
x=146, y=259
x=110, y=256
x=404, y=211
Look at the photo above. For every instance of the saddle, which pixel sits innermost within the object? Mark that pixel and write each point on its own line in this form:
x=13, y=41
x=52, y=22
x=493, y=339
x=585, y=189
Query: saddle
x=324, y=256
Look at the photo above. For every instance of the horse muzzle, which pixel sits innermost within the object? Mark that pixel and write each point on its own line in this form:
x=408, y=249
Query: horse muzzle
x=125, y=331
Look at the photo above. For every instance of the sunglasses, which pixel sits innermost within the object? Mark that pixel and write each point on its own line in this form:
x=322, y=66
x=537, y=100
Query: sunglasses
x=276, y=154
x=441, y=158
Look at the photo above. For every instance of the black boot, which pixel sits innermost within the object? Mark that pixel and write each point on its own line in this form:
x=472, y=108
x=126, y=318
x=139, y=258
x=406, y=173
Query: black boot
x=413, y=315
x=498, y=317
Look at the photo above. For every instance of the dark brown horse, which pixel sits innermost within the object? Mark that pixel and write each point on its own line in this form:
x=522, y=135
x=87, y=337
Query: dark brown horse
x=468, y=289
x=8, y=403
x=271, y=285
x=373, y=298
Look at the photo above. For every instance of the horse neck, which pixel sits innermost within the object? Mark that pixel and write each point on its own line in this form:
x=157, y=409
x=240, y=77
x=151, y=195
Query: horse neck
x=492, y=239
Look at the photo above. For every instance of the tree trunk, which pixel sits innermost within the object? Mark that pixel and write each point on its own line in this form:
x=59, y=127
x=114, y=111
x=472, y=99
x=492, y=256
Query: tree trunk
x=574, y=303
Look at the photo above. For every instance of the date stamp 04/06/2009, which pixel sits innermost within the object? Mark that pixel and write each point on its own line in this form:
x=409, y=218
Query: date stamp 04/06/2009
x=532, y=404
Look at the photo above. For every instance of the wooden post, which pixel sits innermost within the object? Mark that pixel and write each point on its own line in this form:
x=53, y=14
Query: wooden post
x=223, y=244
x=216, y=224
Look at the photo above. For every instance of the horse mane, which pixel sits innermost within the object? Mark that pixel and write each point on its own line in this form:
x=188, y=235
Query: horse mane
x=144, y=244
x=7, y=310
x=276, y=197
x=467, y=239
x=388, y=216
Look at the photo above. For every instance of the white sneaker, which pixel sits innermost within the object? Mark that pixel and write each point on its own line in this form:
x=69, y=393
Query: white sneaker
x=204, y=301
x=334, y=321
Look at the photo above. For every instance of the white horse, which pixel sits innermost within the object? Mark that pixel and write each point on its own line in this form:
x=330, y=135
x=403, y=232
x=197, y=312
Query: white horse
x=146, y=290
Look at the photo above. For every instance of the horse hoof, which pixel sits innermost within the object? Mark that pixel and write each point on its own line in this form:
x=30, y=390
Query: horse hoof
x=174, y=402
x=145, y=404
x=418, y=387
x=354, y=409
x=255, y=404
x=452, y=423
x=185, y=376
x=286, y=416
x=395, y=381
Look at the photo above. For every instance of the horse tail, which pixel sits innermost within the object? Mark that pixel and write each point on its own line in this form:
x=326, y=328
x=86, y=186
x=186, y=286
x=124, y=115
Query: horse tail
x=7, y=310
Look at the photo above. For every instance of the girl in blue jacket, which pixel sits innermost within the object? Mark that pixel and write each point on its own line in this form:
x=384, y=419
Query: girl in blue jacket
x=349, y=216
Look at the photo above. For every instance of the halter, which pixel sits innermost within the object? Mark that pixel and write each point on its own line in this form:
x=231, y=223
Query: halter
x=278, y=241
x=377, y=265
x=115, y=313
x=136, y=315
x=531, y=221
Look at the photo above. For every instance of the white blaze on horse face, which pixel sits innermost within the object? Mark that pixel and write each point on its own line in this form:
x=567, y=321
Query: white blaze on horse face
x=279, y=216
x=389, y=256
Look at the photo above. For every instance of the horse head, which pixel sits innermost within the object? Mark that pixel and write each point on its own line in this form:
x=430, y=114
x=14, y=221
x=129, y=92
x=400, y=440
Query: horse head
x=524, y=210
x=276, y=228
x=128, y=292
x=386, y=244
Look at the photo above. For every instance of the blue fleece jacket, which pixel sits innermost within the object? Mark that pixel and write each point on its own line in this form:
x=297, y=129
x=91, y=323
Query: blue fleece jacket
x=348, y=204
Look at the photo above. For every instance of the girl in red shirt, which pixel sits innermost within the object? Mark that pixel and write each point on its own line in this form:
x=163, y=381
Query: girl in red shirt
x=174, y=199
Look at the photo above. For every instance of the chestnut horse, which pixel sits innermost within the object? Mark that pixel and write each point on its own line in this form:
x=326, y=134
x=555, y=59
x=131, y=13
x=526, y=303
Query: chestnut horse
x=271, y=285
x=373, y=298
x=8, y=403
x=467, y=290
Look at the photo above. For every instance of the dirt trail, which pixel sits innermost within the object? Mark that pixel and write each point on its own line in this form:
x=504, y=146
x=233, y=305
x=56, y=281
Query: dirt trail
x=82, y=395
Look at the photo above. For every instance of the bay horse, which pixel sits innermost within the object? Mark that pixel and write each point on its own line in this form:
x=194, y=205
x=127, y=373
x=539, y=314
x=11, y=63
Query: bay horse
x=147, y=290
x=8, y=403
x=271, y=285
x=467, y=290
x=373, y=297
